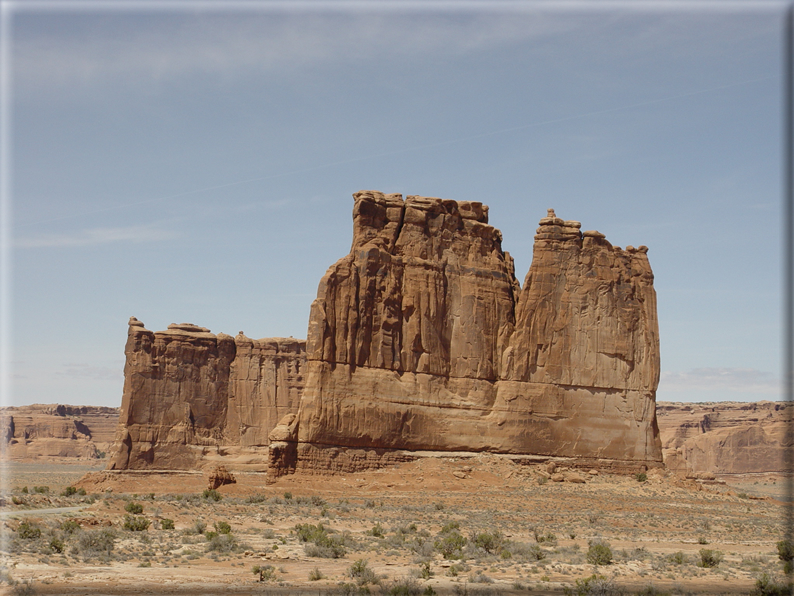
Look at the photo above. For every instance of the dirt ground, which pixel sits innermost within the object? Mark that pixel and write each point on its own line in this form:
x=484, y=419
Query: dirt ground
x=474, y=526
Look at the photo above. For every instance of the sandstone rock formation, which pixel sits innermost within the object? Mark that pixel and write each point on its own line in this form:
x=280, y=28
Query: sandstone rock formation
x=422, y=339
x=220, y=476
x=724, y=437
x=41, y=431
x=193, y=398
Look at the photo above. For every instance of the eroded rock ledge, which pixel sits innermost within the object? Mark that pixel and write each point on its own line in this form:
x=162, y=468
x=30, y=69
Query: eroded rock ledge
x=422, y=339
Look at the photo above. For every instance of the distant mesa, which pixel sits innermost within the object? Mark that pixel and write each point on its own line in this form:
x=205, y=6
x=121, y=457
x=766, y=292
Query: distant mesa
x=420, y=339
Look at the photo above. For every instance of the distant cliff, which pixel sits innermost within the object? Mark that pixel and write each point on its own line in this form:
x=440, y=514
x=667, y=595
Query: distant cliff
x=724, y=437
x=41, y=431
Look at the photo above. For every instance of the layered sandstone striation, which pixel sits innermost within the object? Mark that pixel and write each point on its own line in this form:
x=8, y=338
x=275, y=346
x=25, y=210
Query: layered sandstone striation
x=55, y=430
x=421, y=339
x=192, y=398
x=725, y=437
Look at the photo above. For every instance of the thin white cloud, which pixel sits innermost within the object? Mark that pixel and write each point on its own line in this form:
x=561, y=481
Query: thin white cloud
x=95, y=236
x=99, y=373
x=735, y=380
x=172, y=46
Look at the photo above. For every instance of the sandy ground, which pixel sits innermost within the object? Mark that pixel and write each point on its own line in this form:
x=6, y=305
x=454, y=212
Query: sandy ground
x=397, y=521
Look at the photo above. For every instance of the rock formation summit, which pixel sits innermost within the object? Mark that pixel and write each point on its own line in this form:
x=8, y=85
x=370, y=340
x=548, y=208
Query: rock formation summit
x=420, y=339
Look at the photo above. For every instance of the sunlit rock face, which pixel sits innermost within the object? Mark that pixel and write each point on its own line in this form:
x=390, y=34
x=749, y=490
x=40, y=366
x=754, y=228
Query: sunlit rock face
x=421, y=339
x=192, y=398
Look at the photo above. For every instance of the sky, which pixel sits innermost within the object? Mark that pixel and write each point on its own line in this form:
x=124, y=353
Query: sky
x=195, y=161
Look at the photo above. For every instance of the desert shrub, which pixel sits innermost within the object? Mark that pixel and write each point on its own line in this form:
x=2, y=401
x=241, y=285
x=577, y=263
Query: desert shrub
x=28, y=531
x=702, y=540
x=448, y=527
x=406, y=586
x=42, y=490
x=785, y=552
x=199, y=527
x=362, y=574
x=424, y=570
x=69, y=526
x=136, y=524
x=766, y=585
x=438, y=506
x=254, y=499
x=211, y=494
x=265, y=572
x=678, y=558
x=315, y=575
x=451, y=544
x=222, y=527
x=222, y=543
x=641, y=477
x=69, y=491
x=81, y=492
x=595, y=585
x=24, y=490
x=318, y=501
x=490, y=542
x=287, y=496
x=377, y=531
x=134, y=508
x=527, y=551
x=599, y=553
x=18, y=500
x=56, y=545
x=167, y=523
x=651, y=590
x=480, y=578
x=209, y=535
x=709, y=558
x=323, y=544
x=93, y=542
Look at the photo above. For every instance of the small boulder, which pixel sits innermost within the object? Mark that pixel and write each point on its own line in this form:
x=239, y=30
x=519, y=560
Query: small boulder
x=220, y=476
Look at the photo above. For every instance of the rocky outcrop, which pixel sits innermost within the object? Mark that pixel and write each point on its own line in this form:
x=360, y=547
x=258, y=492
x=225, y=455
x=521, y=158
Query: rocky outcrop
x=724, y=437
x=220, y=476
x=42, y=431
x=192, y=398
x=421, y=339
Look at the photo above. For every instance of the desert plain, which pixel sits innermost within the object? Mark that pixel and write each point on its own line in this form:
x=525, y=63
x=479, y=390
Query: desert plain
x=446, y=523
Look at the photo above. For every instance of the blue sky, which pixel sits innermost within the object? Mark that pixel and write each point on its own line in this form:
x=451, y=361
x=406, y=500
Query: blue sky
x=195, y=162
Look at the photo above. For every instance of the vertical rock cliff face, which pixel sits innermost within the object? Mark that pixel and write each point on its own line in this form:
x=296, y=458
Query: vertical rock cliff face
x=191, y=395
x=421, y=339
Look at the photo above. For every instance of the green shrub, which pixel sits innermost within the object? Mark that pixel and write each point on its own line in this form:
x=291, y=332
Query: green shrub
x=451, y=544
x=69, y=526
x=69, y=491
x=287, y=496
x=377, y=531
x=28, y=531
x=167, y=524
x=362, y=574
x=18, y=500
x=81, y=492
x=209, y=535
x=770, y=586
x=323, y=544
x=592, y=586
x=677, y=558
x=212, y=494
x=490, y=542
x=406, y=586
x=599, y=553
x=134, y=508
x=24, y=490
x=92, y=542
x=222, y=527
x=56, y=545
x=424, y=570
x=135, y=524
x=265, y=572
x=641, y=477
x=785, y=552
x=709, y=558
x=222, y=543
x=43, y=490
